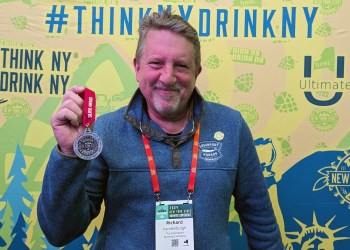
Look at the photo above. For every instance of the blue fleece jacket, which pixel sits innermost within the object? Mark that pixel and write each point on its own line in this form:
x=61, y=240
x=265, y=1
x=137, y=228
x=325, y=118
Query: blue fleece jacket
x=74, y=189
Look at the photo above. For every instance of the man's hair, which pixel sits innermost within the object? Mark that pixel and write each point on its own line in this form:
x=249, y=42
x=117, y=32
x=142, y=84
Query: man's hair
x=172, y=22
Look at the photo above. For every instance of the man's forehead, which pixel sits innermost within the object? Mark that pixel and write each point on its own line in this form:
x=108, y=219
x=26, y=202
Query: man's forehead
x=156, y=54
x=171, y=42
x=151, y=49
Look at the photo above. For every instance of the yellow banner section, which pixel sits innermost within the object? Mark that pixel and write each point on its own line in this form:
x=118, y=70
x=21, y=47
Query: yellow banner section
x=283, y=64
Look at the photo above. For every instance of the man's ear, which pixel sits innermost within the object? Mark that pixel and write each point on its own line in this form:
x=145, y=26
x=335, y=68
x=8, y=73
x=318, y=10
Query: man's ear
x=199, y=71
x=136, y=68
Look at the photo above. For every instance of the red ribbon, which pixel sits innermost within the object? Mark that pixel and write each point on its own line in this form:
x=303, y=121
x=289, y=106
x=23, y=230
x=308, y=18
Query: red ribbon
x=89, y=109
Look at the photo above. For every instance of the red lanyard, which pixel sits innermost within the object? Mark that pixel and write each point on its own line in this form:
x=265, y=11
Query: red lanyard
x=89, y=110
x=153, y=169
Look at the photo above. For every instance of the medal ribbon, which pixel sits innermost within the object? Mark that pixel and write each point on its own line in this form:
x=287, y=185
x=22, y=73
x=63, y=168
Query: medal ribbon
x=89, y=109
x=153, y=169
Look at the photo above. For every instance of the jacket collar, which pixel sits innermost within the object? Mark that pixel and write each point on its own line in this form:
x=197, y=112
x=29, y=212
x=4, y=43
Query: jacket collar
x=137, y=116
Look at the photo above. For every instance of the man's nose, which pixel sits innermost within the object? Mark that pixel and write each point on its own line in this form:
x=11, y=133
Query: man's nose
x=168, y=75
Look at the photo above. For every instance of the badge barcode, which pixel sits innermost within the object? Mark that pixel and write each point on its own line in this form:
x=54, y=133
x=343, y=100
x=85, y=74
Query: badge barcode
x=174, y=242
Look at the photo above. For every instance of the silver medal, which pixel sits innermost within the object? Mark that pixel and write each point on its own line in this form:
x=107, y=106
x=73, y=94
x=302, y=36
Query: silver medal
x=87, y=145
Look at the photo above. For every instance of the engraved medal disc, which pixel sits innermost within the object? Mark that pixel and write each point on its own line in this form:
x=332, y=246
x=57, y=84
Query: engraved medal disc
x=87, y=145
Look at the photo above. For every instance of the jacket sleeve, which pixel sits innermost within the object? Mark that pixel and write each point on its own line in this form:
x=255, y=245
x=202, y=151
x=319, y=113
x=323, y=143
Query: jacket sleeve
x=71, y=197
x=252, y=201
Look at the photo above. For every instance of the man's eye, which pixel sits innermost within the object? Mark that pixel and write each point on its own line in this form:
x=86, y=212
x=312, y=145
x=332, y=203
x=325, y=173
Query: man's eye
x=182, y=66
x=155, y=63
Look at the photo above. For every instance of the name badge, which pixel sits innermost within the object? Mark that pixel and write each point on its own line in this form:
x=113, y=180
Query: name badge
x=174, y=225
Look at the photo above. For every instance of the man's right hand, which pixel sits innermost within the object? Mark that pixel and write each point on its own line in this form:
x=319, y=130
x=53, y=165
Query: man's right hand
x=66, y=122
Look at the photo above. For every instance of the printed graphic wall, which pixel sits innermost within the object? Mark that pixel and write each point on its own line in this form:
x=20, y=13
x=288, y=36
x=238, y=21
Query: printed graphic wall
x=284, y=64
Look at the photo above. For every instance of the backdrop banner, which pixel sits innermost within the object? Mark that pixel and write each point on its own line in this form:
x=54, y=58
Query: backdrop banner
x=283, y=64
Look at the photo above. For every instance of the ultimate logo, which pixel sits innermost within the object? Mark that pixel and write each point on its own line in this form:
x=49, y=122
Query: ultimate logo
x=336, y=177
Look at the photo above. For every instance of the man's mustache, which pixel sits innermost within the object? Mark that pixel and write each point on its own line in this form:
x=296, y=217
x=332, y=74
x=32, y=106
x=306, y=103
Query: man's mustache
x=162, y=86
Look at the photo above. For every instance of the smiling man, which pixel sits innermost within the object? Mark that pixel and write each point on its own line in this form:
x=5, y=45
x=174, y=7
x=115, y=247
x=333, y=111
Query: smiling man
x=167, y=73
x=170, y=162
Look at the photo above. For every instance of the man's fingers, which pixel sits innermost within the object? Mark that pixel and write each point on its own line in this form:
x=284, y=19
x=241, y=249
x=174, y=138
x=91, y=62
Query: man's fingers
x=77, y=89
x=74, y=95
x=72, y=106
x=66, y=116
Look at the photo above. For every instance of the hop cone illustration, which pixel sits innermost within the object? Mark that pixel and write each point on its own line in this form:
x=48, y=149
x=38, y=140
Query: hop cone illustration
x=285, y=103
x=286, y=148
x=212, y=62
x=287, y=63
x=244, y=82
x=211, y=96
x=324, y=30
x=330, y=7
x=249, y=114
x=20, y=22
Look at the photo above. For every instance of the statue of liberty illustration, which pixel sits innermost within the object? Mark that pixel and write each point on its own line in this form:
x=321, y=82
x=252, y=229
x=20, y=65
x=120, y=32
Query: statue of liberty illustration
x=310, y=199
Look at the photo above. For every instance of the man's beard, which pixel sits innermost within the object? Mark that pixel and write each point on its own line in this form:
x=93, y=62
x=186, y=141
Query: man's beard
x=172, y=106
x=172, y=102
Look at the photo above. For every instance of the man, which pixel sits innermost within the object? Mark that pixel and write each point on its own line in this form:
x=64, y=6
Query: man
x=164, y=124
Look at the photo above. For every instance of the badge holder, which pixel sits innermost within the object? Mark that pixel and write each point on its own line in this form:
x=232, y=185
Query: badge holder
x=174, y=219
x=174, y=225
